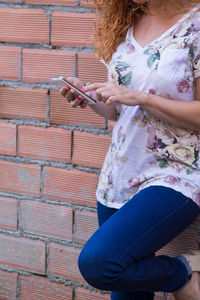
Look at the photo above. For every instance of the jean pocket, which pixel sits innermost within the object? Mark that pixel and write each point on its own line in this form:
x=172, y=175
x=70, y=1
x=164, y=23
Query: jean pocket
x=172, y=64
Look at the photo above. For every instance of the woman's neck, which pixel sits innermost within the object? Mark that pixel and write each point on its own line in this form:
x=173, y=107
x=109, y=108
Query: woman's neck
x=148, y=28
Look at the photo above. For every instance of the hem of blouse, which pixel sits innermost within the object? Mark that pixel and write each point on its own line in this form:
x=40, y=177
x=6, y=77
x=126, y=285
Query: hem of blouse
x=180, y=190
x=111, y=205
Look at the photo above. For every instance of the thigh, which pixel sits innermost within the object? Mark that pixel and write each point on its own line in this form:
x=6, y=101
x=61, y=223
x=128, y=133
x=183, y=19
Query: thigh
x=146, y=223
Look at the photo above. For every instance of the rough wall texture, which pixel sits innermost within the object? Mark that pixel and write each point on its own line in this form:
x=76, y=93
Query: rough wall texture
x=50, y=154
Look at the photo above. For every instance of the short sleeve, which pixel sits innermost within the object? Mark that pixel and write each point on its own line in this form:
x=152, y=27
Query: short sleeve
x=197, y=63
x=195, y=50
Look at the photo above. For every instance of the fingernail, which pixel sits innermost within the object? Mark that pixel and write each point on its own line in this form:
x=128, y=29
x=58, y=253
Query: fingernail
x=85, y=101
x=79, y=98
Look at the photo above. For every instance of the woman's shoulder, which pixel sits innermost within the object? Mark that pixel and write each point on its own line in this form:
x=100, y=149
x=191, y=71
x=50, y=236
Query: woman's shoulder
x=188, y=30
x=191, y=20
x=194, y=20
x=194, y=28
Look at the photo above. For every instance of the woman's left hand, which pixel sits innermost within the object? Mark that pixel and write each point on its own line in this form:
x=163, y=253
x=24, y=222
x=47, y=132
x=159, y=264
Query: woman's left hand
x=109, y=93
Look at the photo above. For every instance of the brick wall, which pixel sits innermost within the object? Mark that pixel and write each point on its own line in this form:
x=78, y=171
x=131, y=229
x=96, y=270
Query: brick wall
x=50, y=154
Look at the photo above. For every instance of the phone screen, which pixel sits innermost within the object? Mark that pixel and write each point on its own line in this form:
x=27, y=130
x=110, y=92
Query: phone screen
x=61, y=80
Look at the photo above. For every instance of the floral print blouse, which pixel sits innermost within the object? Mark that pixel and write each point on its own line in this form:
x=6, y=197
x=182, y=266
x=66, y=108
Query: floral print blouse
x=145, y=150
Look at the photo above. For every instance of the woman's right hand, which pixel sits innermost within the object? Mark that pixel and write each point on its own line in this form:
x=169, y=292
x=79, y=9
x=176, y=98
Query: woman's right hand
x=71, y=95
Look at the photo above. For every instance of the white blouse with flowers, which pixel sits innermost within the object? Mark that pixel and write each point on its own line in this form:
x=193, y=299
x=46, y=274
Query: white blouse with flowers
x=145, y=150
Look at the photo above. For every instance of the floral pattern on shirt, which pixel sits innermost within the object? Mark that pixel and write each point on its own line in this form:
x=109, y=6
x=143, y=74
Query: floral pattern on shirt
x=174, y=144
x=120, y=73
x=145, y=150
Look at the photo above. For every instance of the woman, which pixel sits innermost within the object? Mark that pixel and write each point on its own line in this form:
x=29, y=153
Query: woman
x=149, y=187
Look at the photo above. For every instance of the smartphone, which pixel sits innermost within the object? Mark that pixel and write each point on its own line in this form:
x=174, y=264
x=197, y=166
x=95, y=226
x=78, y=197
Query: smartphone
x=60, y=80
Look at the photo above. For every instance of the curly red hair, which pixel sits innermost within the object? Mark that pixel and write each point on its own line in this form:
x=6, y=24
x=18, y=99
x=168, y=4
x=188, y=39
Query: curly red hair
x=116, y=16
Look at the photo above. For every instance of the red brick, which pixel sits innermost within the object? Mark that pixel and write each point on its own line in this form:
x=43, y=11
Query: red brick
x=8, y=285
x=8, y=213
x=91, y=69
x=20, y=178
x=23, y=25
x=73, y=186
x=55, y=2
x=61, y=112
x=22, y=253
x=36, y=288
x=41, y=65
x=23, y=102
x=184, y=243
x=9, y=63
x=87, y=3
x=90, y=149
x=7, y=138
x=72, y=29
x=46, y=219
x=85, y=225
x=62, y=262
x=83, y=294
x=45, y=143
x=111, y=125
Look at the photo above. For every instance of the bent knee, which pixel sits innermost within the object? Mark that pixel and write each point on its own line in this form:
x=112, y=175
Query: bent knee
x=89, y=267
x=96, y=268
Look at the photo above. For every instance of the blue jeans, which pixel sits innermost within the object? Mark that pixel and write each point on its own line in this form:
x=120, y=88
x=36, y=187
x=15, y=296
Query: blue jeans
x=120, y=255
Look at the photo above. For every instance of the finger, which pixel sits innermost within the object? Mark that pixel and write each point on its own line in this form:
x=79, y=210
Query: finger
x=93, y=86
x=64, y=91
x=71, y=95
x=101, y=94
x=111, y=100
x=68, y=93
x=105, y=95
x=83, y=104
x=79, y=100
x=76, y=102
